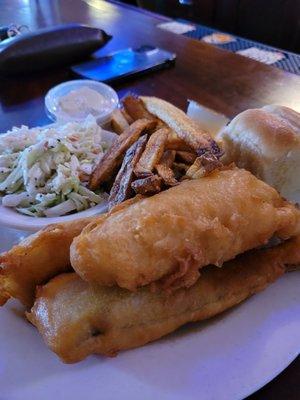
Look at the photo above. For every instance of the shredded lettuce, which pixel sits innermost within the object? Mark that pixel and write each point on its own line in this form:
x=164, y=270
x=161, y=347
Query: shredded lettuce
x=44, y=171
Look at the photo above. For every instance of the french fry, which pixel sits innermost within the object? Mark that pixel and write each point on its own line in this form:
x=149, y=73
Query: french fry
x=127, y=116
x=149, y=185
x=186, y=156
x=135, y=108
x=152, y=154
x=180, y=171
x=195, y=141
x=202, y=166
x=175, y=143
x=168, y=158
x=164, y=168
x=119, y=122
x=112, y=159
x=181, y=167
x=167, y=175
x=196, y=170
x=121, y=189
x=185, y=128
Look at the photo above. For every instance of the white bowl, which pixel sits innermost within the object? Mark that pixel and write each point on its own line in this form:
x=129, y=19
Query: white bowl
x=54, y=94
x=11, y=218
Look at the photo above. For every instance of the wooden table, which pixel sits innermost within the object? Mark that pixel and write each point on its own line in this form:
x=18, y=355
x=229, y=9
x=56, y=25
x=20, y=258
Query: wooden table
x=218, y=79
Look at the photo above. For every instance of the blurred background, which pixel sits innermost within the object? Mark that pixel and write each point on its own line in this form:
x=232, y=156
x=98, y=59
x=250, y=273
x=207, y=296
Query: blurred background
x=273, y=22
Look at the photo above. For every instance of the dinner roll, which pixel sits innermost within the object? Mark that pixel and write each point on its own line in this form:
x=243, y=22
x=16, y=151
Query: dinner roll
x=266, y=141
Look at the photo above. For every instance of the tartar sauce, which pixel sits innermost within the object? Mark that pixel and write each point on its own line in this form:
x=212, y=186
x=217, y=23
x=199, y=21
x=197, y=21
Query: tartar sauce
x=79, y=103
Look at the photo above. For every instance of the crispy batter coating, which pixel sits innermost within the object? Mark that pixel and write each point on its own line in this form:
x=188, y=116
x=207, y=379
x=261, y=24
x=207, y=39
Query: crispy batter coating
x=42, y=256
x=176, y=232
x=77, y=319
x=36, y=259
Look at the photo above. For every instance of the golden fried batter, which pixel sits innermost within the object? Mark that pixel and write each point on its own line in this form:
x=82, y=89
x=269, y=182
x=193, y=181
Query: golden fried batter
x=41, y=256
x=174, y=233
x=36, y=259
x=76, y=319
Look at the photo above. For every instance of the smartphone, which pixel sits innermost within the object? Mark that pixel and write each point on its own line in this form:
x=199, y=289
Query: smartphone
x=125, y=63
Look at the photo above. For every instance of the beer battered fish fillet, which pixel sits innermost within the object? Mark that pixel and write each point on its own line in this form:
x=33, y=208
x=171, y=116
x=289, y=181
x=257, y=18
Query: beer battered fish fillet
x=77, y=319
x=169, y=236
x=40, y=257
x=36, y=259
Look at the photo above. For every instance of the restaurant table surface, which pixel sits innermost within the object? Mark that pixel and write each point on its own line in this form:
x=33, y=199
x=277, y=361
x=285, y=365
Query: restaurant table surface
x=223, y=81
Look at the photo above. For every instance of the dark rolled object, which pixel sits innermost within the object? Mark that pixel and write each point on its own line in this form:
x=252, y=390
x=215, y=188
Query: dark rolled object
x=3, y=32
x=49, y=47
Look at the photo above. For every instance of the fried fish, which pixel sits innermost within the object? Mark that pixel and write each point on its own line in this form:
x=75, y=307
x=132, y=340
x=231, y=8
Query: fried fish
x=170, y=236
x=42, y=256
x=77, y=319
x=36, y=259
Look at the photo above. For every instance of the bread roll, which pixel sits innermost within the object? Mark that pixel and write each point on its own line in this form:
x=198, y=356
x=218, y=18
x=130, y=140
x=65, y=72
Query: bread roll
x=266, y=141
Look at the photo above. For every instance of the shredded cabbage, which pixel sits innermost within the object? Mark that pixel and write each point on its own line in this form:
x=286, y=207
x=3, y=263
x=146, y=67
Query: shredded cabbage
x=44, y=171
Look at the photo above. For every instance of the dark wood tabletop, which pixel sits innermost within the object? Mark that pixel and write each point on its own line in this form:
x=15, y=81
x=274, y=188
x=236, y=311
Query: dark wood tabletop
x=221, y=80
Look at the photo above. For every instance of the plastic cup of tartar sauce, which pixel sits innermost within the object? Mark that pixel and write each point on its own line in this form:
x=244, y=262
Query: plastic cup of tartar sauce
x=75, y=100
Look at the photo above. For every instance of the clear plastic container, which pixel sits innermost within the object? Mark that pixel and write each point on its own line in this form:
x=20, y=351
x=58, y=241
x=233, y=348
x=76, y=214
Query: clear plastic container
x=58, y=114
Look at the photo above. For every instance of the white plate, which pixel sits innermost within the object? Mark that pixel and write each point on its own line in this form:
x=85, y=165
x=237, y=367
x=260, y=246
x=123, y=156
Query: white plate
x=226, y=358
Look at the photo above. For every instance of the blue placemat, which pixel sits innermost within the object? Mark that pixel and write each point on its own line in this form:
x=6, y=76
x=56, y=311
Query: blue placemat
x=290, y=62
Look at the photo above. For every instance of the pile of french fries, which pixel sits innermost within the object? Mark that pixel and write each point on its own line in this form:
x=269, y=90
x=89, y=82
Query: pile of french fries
x=149, y=156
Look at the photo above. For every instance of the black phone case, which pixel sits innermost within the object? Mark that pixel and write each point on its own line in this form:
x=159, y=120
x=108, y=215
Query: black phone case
x=150, y=59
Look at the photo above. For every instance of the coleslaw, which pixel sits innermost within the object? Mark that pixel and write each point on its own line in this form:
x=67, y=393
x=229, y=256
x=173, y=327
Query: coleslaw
x=44, y=172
